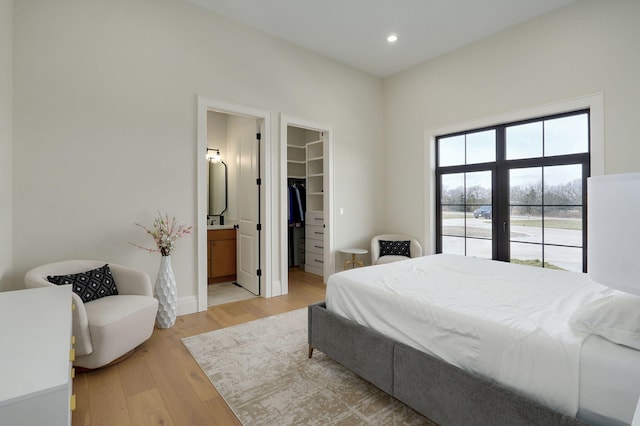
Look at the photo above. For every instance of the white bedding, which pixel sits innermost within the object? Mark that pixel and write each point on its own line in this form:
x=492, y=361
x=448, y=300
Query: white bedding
x=505, y=322
x=609, y=382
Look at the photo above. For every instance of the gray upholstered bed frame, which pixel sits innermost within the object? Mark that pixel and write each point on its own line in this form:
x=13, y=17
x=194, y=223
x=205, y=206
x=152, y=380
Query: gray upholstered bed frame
x=442, y=392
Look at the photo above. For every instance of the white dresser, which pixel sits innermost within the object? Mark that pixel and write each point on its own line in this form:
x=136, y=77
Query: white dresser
x=36, y=352
x=314, y=243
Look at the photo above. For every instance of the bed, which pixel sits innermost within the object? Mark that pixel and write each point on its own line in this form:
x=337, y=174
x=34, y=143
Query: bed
x=472, y=341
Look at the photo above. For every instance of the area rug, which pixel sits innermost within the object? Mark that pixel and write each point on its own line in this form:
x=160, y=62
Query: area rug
x=262, y=371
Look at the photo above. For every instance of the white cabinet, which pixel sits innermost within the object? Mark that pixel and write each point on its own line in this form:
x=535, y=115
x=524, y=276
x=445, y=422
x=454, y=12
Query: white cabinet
x=36, y=357
x=314, y=243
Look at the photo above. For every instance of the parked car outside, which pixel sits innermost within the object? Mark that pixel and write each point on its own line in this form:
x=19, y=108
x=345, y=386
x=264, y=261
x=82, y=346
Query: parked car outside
x=483, y=211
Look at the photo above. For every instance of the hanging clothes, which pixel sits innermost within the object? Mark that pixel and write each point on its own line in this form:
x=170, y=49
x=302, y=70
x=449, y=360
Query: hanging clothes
x=303, y=198
x=297, y=205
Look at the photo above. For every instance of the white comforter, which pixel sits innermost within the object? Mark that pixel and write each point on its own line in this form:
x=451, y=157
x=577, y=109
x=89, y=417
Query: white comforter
x=502, y=321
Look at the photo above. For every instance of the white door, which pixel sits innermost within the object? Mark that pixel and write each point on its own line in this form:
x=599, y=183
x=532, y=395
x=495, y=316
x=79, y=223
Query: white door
x=248, y=218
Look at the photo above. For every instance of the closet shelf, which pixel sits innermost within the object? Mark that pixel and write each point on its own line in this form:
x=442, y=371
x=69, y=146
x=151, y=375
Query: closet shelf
x=296, y=146
x=315, y=175
x=296, y=177
x=296, y=161
x=314, y=159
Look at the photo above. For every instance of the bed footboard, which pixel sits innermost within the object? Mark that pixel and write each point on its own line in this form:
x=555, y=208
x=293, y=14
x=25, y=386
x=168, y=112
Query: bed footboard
x=439, y=391
x=367, y=353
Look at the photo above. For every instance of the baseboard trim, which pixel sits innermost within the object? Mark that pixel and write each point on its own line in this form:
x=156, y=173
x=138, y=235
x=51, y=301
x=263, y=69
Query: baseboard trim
x=276, y=289
x=187, y=305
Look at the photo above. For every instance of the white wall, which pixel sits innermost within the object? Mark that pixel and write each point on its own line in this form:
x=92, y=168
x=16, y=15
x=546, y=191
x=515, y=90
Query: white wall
x=105, y=124
x=105, y=99
x=6, y=142
x=584, y=48
x=217, y=131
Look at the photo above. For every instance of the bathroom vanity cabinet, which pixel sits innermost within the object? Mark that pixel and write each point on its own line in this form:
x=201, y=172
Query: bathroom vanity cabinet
x=221, y=255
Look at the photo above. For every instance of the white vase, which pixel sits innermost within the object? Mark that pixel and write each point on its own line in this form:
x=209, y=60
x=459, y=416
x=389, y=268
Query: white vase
x=165, y=292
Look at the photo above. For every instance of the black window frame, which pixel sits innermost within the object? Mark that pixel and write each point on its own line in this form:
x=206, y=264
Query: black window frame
x=500, y=183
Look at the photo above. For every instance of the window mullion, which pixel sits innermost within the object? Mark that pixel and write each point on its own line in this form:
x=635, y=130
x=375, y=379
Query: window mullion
x=586, y=172
x=501, y=198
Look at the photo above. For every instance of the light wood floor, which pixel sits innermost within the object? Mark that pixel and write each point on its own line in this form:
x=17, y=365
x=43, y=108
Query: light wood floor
x=161, y=384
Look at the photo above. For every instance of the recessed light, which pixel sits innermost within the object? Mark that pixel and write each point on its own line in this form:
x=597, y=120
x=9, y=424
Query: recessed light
x=392, y=38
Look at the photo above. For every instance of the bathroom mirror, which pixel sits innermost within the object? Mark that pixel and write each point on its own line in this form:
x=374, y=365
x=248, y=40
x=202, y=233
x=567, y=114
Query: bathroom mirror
x=217, y=188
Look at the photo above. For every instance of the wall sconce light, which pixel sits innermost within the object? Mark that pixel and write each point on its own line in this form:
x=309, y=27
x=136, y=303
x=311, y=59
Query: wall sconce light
x=213, y=155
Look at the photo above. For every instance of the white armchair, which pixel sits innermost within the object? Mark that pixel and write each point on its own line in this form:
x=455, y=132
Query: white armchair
x=415, y=249
x=105, y=329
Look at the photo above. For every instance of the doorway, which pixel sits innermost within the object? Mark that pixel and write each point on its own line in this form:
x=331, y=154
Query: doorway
x=306, y=185
x=241, y=137
x=232, y=216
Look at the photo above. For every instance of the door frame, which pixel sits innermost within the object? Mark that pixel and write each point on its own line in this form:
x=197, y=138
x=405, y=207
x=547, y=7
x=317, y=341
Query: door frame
x=264, y=121
x=329, y=258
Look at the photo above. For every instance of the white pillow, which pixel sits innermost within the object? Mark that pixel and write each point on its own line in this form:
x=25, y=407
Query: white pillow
x=615, y=317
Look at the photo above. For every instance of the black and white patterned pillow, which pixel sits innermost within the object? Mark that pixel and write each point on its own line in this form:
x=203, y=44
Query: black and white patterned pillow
x=89, y=285
x=395, y=248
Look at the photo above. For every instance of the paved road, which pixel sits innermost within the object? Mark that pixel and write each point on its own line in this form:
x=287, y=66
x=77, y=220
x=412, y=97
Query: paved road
x=566, y=258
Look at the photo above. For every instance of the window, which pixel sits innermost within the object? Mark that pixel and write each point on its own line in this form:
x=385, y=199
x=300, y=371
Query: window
x=516, y=191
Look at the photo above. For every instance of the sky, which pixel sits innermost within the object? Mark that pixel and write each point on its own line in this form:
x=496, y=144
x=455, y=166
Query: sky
x=558, y=136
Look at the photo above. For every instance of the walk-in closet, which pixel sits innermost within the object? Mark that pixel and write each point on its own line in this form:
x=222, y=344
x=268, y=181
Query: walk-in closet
x=305, y=190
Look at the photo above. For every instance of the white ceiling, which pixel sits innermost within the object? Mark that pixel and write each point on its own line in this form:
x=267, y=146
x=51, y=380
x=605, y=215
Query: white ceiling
x=354, y=31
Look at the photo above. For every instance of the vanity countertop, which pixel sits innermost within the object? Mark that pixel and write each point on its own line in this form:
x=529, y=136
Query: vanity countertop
x=216, y=227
